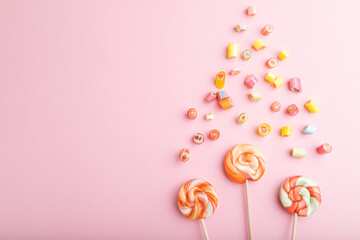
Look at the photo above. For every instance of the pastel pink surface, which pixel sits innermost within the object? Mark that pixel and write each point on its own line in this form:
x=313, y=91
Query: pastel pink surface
x=93, y=102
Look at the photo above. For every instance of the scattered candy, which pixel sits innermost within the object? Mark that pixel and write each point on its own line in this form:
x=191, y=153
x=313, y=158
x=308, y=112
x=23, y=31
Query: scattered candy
x=234, y=71
x=210, y=97
x=259, y=45
x=292, y=110
x=284, y=54
x=277, y=82
x=270, y=77
x=309, y=129
x=198, y=138
x=209, y=116
x=214, y=134
x=325, y=148
x=286, y=131
x=267, y=30
x=241, y=27
x=226, y=103
x=220, y=79
x=192, y=113
x=295, y=85
x=233, y=50
x=250, y=81
x=251, y=11
x=184, y=155
x=264, y=129
x=246, y=55
x=298, y=152
x=271, y=63
x=276, y=106
x=255, y=96
x=243, y=117
x=221, y=95
x=311, y=106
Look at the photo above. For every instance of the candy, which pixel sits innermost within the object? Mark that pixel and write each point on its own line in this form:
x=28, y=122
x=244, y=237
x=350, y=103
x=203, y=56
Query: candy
x=198, y=138
x=300, y=195
x=209, y=116
x=197, y=199
x=241, y=27
x=246, y=55
x=255, y=96
x=243, y=117
x=325, y=148
x=192, y=113
x=277, y=82
x=309, y=129
x=210, y=97
x=292, y=110
x=276, y=106
x=220, y=79
x=271, y=63
x=234, y=71
x=214, y=134
x=184, y=155
x=284, y=54
x=295, y=84
x=259, y=45
x=270, y=77
x=221, y=95
x=267, y=30
x=264, y=129
x=226, y=103
x=251, y=10
x=298, y=152
x=286, y=131
x=250, y=81
x=311, y=106
x=244, y=162
x=233, y=50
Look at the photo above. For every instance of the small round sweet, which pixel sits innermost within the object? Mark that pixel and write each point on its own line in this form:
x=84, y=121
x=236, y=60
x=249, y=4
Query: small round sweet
x=234, y=71
x=198, y=138
x=271, y=63
x=276, y=106
x=192, y=113
x=214, y=134
x=325, y=148
x=292, y=110
x=243, y=117
x=197, y=199
x=264, y=129
x=300, y=195
x=184, y=155
x=244, y=162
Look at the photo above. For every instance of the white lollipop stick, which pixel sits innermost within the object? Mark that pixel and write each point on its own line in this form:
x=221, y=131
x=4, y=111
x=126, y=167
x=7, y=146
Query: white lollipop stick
x=294, y=227
x=203, y=226
x=248, y=209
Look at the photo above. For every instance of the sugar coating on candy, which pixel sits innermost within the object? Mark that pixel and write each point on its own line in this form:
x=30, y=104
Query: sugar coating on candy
x=243, y=117
x=300, y=195
x=214, y=134
x=234, y=71
x=264, y=129
x=276, y=106
x=244, y=162
x=198, y=138
x=184, y=155
x=220, y=79
x=192, y=113
x=197, y=199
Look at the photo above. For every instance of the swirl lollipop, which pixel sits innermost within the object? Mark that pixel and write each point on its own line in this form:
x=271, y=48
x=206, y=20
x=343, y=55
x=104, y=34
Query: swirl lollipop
x=197, y=199
x=242, y=163
x=300, y=196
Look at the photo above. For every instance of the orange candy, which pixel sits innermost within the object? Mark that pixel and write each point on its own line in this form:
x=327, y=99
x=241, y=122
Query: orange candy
x=226, y=103
x=214, y=134
x=192, y=113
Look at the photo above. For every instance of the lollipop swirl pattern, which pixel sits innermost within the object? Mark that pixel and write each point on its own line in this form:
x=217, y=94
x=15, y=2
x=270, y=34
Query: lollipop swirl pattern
x=300, y=195
x=244, y=162
x=197, y=199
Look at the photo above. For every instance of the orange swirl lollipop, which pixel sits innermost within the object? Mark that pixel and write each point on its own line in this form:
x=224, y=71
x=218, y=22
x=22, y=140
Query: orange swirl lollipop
x=197, y=199
x=242, y=163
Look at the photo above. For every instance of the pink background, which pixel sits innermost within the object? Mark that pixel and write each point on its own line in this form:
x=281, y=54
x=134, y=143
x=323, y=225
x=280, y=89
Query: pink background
x=93, y=97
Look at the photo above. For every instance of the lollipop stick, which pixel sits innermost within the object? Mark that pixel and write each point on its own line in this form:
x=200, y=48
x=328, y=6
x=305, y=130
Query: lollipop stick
x=248, y=209
x=294, y=227
x=203, y=226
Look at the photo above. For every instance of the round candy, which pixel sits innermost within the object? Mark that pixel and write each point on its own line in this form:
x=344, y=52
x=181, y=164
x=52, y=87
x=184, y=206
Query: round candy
x=292, y=110
x=197, y=199
x=192, y=113
x=244, y=162
x=300, y=195
x=276, y=106
x=214, y=134
x=198, y=138
x=184, y=155
x=264, y=129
